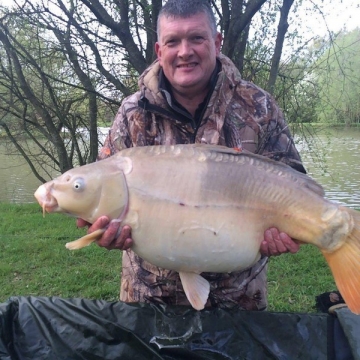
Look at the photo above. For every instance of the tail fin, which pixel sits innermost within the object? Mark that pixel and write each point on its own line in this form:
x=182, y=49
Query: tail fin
x=345, y=266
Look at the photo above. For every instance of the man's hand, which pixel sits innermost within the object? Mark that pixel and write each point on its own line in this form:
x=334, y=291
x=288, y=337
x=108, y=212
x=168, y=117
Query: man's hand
x=110, y=239
x=276, y=243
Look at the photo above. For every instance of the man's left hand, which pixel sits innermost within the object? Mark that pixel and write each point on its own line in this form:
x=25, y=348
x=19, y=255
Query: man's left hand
x=276, y=243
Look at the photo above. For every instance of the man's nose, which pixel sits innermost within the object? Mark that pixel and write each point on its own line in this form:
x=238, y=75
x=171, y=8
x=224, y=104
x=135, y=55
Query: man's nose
x=185, y=49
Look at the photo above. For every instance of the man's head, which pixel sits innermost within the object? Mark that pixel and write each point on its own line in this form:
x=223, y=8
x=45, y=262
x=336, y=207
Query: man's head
x=184, y=9
x=188, y=44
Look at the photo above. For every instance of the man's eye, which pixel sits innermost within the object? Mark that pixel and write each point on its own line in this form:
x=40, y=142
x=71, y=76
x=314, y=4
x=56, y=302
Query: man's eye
x=171, y=42
x=197, y=39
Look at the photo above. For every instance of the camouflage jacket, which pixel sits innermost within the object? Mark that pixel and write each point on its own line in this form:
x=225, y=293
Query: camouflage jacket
x=236, y=114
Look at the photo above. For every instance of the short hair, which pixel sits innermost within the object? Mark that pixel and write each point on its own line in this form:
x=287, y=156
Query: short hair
x=187, y=8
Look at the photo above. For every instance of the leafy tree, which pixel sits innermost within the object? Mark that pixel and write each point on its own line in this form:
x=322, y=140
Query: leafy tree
x=338, y=78
x=37, y=103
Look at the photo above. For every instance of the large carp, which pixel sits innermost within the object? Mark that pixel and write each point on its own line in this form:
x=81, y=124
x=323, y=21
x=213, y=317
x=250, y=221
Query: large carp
x=204, y=208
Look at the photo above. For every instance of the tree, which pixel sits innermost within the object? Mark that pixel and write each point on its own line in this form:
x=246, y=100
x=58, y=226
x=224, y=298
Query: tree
x=41, y=100
x=79, y=58
x=339, y=80
x=282, y=29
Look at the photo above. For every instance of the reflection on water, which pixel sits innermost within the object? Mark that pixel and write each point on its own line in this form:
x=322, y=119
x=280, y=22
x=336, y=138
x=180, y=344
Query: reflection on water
x=18, y=183
x=334, y=163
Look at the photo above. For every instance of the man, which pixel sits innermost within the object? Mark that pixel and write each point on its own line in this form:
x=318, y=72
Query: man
x=194, y=94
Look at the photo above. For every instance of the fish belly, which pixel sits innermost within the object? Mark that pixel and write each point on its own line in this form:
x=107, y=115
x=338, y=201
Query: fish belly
x=198, y=239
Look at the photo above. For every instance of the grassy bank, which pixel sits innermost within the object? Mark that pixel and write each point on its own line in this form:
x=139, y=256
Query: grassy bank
x=34, y=261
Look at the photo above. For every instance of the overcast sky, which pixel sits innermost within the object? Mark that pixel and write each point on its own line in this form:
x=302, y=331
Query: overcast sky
x=338, y=14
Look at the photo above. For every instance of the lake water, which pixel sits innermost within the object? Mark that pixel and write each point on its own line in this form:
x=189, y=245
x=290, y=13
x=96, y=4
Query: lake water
x=335, y=164
x=333, y=159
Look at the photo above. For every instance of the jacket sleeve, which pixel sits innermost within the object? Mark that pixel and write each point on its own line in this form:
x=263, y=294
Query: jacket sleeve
x=252, y=119
x=254, y=116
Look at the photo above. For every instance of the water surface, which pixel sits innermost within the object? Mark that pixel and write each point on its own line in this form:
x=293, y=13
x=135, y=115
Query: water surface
x=333, y=159
x=335, y=164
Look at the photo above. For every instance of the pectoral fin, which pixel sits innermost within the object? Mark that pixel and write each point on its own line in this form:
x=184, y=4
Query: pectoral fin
x=196, y=289
x=85, y=240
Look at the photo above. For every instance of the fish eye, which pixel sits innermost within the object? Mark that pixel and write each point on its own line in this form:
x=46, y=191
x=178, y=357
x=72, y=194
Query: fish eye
x=79, y=184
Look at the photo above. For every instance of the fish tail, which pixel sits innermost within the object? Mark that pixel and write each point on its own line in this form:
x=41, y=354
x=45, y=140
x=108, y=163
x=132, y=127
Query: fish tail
x=345, y=265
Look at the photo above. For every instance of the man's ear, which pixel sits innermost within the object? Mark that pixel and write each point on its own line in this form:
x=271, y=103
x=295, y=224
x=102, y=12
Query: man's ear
x=218, y=41
x=158, y=51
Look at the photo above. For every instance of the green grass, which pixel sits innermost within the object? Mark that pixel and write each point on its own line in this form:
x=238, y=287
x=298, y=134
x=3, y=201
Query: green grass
x=34, y=261
x=294, y=280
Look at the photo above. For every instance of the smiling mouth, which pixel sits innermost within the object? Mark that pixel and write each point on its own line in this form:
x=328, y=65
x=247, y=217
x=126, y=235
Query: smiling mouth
x=187, y=66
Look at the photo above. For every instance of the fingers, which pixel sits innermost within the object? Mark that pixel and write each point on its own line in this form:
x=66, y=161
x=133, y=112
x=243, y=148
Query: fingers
x=124, y=240
x=112, y=240
x=114, y=236
x=100, y=223
x=80, y=223
x=291, y=245
x=276, y=243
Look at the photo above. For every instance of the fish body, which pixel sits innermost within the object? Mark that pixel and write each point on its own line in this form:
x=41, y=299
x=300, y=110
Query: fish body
x=205, y=208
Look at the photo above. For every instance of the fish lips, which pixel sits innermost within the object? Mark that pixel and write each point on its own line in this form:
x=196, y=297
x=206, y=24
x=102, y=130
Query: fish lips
x=46, y=200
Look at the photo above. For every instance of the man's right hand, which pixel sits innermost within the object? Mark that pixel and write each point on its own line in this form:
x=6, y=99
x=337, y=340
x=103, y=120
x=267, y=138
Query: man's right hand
x=114, y=237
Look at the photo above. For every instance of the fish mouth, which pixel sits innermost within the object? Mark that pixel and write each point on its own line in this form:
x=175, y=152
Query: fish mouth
x=45, y=199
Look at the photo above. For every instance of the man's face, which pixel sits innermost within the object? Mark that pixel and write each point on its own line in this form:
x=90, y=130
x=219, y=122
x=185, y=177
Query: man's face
x=187, y=51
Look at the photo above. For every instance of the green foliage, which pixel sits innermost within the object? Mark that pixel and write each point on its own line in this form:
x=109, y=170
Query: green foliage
x=44, y=96
x=295, y=92
x=338, y=79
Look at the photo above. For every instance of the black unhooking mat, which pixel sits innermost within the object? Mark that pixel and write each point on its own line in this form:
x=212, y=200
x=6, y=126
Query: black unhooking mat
x=39, y=328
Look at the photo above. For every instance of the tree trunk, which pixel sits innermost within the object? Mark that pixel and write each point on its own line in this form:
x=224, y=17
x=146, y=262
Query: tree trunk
x=121, y=29
x=239, y=55
x=282, y=29
x=238, y=22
